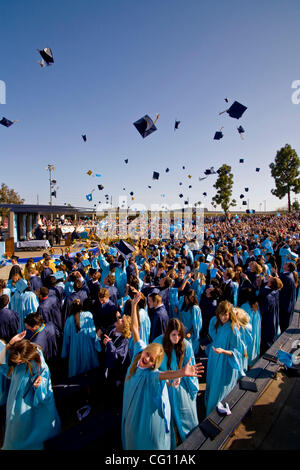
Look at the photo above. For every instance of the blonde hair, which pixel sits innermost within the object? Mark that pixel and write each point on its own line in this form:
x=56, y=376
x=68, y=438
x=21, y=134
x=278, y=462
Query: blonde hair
x=242, y=317
x=126, y=330
x=156, y=350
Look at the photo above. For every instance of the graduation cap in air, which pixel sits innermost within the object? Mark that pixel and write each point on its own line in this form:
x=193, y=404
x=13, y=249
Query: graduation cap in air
x=126, y=160
x=180, y=184
x=84, y=137
x=89, y=172
x=186, y=202
x=200, y=179
x=89, y=197
x=218, y=135
x=241, y=160
x=155, y=175
x=176, y=124
x=125, y=249
x=53, y=193
x=145, y=125
x=6, y=122
x=241, y=131
x=257, y=169
x=242, y=196
x=131, y=193
x=204, y=194
x=47, y=56
x=244, y=203
x=190, y=186
x=100, y=187
x=180, y=195
x=183, y=167
x=246, y=189
x=210, y=171
x=167, y=170
x=149, y=187
x=236, y=110
x=226, y=99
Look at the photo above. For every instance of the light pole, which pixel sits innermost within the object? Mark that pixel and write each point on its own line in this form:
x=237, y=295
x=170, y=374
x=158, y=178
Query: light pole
x=50, y=168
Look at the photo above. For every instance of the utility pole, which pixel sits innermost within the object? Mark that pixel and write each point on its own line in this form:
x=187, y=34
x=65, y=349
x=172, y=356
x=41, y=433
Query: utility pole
x=50, y=168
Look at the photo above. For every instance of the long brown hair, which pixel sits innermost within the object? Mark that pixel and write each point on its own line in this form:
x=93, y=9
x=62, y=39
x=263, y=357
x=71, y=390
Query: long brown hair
x=226, y=307
x=75, y=309
x=174, y=324
x=191, y=298
x=25, y=351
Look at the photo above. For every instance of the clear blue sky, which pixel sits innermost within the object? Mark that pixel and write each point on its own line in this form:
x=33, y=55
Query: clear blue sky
x=117, y=60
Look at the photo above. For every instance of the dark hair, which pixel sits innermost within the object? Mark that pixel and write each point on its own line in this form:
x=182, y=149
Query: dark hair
x=4, y=300
x=174, y=324
x=43, y=291
x=34, y=319
x=191, y=300
x=75, y=309
x=24, y=350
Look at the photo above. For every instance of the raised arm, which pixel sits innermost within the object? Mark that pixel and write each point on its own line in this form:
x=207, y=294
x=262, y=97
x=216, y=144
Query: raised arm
x=134, y=318
x=188, y=370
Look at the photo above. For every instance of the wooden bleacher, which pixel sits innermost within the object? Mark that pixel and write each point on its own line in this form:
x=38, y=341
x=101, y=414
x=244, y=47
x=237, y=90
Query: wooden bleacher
x=241, y=401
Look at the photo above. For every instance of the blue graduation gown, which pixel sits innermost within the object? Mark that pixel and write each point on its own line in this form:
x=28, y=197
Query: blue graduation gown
x=247, y=339
x=159, y=321
x=287, y=298
x=46, y=337
x=146, y=410
x=121, y=280
x=4, y=381
x=173, y=302
x=198, y=288
x=255, y=321
x=30, y=304
x=105, y=267
x=50, y=310
x=223, y=371
x=117, y=357
x=35, y=283
x=81, y=347
x=31, y=415
x=9, y=323
x=191, y=318
x=269, y=309
x=183, y=398
x=144, y=330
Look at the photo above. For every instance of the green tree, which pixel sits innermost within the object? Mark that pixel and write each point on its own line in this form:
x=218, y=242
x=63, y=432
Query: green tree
x=285, y=171
x=296, y=206
x=223, y=186
x=8, y=196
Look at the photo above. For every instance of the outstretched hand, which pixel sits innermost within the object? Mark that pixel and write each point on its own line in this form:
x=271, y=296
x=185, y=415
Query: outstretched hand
x=190, y=370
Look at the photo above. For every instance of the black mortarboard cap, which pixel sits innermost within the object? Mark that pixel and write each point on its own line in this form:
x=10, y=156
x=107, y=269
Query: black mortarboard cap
x=131, y=193
x=247, y=211
x=247, y=384
x=190, y=186
x=125, y=249
x=176, y=124
x=218, y=135
x=204, y=194
x=244, y=203
x=155, y=175
x=84, y=137
x=240, y=130
x=186, y=202
x=210, y=171
x=180, y=184
x=180, y=195
x=6, y=122
x=210, y=428
x=145, y=126
x=242, y=196
x=241, y=160
x=257, y=169
x=100, y=187
x=167, y=170
x=236, y=110
x=246, y=189
x=183, y=167
x=226, y=99
x=126, y=160
x=149, y=187
x=47, y=55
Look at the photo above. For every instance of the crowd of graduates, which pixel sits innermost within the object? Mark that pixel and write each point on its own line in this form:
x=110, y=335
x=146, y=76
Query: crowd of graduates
x=143, y=314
